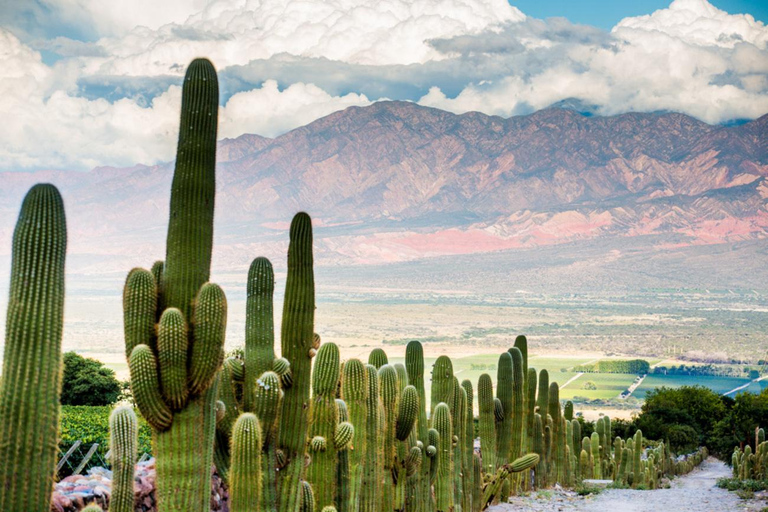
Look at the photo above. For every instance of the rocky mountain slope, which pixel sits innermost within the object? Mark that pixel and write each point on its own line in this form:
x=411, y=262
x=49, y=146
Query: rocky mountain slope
x=396, y=181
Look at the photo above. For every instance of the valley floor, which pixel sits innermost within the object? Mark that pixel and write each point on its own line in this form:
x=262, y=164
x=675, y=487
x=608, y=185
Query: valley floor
x=695, y=492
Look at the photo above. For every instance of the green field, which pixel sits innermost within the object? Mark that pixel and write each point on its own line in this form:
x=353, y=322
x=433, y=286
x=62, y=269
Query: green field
x=716, y=384
x=609, y=385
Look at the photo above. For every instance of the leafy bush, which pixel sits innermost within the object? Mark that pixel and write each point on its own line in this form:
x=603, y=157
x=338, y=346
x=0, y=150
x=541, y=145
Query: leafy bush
x=637, y=366
x=91, y=425
x=88, y=382
x=589, y=385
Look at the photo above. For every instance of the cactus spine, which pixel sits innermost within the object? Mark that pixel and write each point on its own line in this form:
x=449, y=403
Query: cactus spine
x=29, y=393
x=259, y=327
x=245, y=473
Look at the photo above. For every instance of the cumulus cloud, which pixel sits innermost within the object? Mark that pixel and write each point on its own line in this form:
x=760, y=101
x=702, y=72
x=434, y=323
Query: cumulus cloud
x=357, y=31
x=112, y=99
x=697, y=22
x=690, y=57
x=269, y=111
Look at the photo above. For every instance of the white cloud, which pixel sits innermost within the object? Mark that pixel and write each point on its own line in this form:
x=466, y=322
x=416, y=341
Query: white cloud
x=468, y=54
x=675, y=59
x=62, y=130
x=270, y=112
x=233, y=32
x=697, y=22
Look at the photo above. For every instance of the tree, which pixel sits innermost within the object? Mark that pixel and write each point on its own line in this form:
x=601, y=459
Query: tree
x=88, y=382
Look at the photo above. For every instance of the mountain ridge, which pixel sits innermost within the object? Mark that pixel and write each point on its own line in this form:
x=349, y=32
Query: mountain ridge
x=395, y=181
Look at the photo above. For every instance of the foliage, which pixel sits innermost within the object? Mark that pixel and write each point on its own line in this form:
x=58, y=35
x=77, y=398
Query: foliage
x=589, y=385
x=586, y=490
x=637, y=366
x=88, y=382
x=666, y=411
x=90, y=424
x=734, y=484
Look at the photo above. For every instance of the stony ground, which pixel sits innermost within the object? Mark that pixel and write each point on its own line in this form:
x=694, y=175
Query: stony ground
x=695, y=492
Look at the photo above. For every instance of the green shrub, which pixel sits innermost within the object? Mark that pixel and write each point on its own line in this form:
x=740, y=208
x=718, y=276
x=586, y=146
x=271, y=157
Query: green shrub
x=88, y=382
x=90, y=425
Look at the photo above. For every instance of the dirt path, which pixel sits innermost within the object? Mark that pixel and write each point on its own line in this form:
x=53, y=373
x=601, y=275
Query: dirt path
x=572, y=379
x=695, y=492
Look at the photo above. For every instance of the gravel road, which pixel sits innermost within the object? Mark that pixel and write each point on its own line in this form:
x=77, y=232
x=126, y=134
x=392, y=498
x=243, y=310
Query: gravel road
x=695, y=492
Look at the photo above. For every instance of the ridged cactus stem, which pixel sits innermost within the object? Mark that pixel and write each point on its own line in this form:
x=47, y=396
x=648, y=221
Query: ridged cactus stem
x=123, y=445
x=518, y=405
x=468, y=476
x=442, y=383
x=31, y=378
x=540, y=471
x=487, y=423
x=441, y=422
x=505, y=394
x=297, y=333
x=637, y=453
x=542, y=399
x=139, y=310
x=458, y=417
x=245, y=477
x=190, y=230
x=369, y=492
x=344, y=480
x=354, y=391
x=414, y=364
x=259, y=327
x=324, y=420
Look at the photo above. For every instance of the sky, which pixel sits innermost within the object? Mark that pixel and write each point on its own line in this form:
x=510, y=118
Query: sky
x=87, y=83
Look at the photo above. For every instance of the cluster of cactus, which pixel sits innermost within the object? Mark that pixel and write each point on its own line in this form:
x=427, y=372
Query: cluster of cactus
x=175, y=320
x=749, y=464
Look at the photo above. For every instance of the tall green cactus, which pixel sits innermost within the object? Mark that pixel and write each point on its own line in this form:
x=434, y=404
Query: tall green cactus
x=468, y=477
x=344, y=479
x=414, y=364
x=259, y=327
x=180, y=378
x=518, y=403
x=442, y=383
x=505, y=393
x=31, y=383
x=378, y=358
x=324, y=422
x=542, y=399
x=245, y=478
x=354, y=391
x=297, y=334
x=637, y=450
x=540, y=471
x=487, y=423
x=369, y=492
x=554, y=413
x=123, y=446
x=441, y=422
x=458, y=418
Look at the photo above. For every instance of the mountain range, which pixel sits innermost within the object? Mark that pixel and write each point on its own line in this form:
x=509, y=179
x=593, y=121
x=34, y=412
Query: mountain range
x=396, y=181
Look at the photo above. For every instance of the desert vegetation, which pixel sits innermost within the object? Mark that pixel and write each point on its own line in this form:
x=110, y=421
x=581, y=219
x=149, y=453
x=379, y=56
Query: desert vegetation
x=306, y=431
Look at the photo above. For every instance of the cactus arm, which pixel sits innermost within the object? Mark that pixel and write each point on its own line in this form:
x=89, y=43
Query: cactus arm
x=145, y=385
x=444, y=478
x=172, y=357
x=210, y=323
x=139, y=309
